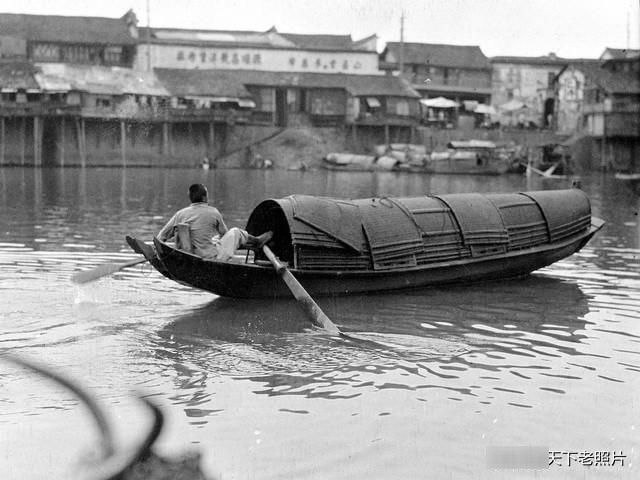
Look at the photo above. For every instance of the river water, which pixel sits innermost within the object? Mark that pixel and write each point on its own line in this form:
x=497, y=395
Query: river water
x=550, y=360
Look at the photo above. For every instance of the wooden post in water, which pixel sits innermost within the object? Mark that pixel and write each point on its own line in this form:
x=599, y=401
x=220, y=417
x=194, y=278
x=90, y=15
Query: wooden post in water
x=23, y=139
x=2, y=141
x=80, y=133
x=165, y=138
x=83, y=141
x=61, y=139
x=36, y=141
x=212, y=138
x=123, y=140
x=386, y=134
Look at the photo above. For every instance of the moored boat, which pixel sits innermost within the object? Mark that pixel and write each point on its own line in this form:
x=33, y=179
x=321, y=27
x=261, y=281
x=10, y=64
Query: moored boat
x=469, y=157
x=336, y=247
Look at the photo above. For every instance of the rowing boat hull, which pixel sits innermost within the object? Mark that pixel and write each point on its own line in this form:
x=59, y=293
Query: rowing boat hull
x=245, y=280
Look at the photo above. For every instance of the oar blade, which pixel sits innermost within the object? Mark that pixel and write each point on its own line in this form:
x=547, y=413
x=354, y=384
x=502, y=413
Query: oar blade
x=300, y=294
x=309, y=305
x=100, y=271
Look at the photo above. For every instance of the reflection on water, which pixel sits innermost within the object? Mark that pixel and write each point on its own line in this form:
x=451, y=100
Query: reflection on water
x=551, y=359
x=440, y=331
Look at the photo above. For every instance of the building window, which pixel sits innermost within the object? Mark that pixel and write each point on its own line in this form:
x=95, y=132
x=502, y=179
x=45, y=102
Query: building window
x=263, y=98
x=113, y=54
x=398, y=106
x=46, y=51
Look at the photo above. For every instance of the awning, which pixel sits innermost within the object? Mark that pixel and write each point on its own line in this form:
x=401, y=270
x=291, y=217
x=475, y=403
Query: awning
x=485, y=109
x=52, y=84
x=513, y=105
x=246, y=103
x=242, y=102
x=439, y=102
x=373, y=102
x=470, y=105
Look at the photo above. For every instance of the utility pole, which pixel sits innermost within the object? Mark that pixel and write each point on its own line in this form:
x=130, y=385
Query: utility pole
x=148, y=37
x=402, y=43
x=629, y=28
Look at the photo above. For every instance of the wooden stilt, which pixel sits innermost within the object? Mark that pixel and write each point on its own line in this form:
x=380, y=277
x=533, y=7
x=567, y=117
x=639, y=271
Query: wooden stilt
x=386, y=134
x=2, y=141
x=61, y=139
x=23, y=140
x=36, y=142
x=212, y=138
x=83, y=143
x=165, y=138
x=123, y=145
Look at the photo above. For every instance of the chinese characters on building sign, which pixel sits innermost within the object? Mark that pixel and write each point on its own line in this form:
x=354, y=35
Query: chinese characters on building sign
x=587, y=459
x=233, y=58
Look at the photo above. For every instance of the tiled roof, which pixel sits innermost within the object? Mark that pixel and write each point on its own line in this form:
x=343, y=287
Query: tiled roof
x=612, y=82
x=232, y=82
x=88, y=30
x=15, y=75
x=103, y=80
x=328, y=42
x=458, y=56
x=235, y=38
x=542, y=60
x=364, y=85
x=214, y=83
x=620, y=53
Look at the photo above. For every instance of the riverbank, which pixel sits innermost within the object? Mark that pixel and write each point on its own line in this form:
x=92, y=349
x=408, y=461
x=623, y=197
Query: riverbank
x=94, y=143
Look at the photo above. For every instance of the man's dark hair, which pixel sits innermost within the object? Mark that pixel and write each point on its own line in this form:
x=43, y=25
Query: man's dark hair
x=197, y=193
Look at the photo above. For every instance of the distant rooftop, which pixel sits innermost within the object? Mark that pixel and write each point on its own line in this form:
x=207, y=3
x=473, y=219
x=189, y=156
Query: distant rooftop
x=613, y=82
x=233, y=82
x=619, y=53
x=550, y=59
x=55, y=28
x=269, y=39
x=461, y=56
x=18, y=75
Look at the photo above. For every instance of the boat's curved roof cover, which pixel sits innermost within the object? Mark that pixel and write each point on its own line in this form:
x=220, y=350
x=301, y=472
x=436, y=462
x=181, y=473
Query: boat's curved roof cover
x=394, y=232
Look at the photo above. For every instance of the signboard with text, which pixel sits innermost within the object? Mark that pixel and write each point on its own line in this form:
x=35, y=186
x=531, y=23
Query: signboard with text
x=178, y=56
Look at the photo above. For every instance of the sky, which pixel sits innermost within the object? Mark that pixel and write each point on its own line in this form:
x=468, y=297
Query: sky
x=569, y=28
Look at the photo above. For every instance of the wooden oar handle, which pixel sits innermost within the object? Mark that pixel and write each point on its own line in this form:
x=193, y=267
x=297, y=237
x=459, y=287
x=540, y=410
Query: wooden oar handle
x=277, y=264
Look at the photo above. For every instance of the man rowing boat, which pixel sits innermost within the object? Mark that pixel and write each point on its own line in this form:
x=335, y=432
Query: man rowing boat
x=209, y=236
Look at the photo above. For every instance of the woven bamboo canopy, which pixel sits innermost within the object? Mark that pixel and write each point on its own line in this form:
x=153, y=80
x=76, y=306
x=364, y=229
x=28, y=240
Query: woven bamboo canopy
x=319, y=233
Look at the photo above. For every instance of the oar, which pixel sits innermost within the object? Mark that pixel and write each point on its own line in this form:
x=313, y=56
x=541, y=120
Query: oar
x=87, y=276
x=313, y=310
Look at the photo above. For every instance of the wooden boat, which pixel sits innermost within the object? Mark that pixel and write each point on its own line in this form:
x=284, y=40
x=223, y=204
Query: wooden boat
x=359, y=163
x=336, y=247
x=631, y=179
x=469, y=157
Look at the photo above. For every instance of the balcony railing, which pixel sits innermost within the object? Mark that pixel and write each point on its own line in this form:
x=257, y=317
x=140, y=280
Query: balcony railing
x=29, y=109
x=611, y=107
x=381, y=118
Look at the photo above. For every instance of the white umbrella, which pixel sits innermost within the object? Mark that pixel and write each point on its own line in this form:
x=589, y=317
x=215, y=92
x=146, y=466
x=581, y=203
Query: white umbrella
x=486, y=109
x=513, y=105
x=439, y=102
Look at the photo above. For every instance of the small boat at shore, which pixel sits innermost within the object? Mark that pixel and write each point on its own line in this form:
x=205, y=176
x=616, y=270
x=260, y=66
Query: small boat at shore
x=461, y=157
x=631, y=179
x=338, y=247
